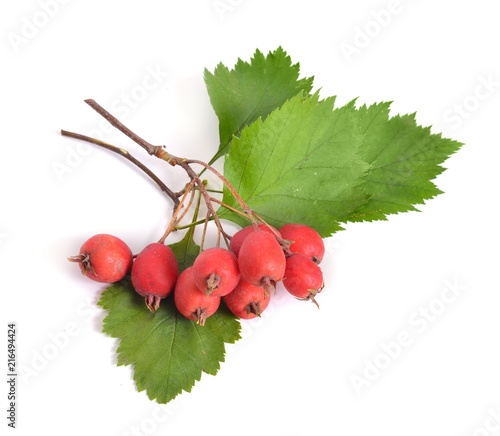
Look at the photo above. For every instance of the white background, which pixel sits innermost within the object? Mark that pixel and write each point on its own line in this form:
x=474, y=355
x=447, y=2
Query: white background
x=293, y=373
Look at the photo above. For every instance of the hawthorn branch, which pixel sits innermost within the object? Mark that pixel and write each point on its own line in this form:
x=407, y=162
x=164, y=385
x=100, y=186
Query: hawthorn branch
x=153, y=150
x=129, y=157
x=175, y=219
x=161, y=153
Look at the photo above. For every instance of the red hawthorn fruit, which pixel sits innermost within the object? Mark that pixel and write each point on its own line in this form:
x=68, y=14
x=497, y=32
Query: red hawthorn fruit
x=246, y=300
x=154, y=273
x=261, y=260
x=239, y=236
x=192, y=303
x=104, y=258
x=303, y=277
x=215, y=271
x=305, y=240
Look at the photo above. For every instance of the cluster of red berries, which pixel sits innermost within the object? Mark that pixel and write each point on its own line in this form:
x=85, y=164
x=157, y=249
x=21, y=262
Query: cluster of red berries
x=243, y=276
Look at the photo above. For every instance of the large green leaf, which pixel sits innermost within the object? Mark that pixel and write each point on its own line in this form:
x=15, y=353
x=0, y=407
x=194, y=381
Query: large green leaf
x=300, y=165
x=251, y=91
x=310, y=163
x=168, y=351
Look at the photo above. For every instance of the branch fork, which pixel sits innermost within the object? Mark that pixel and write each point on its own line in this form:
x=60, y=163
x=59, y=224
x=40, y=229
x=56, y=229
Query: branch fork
x=195, y=184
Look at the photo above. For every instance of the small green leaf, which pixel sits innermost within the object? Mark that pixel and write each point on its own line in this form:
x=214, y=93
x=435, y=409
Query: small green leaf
x=168, y=351
x=251, y=91
x=300, y=165
x=185, y=250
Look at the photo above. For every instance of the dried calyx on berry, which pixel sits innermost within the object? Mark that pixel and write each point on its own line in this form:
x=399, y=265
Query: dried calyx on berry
x=247, y=301
x=216, y=272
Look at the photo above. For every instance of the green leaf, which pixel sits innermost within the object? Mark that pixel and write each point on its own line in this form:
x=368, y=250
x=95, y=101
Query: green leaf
x=404, y=158
x=301, y=165
x=168, y=351
x=251, y=91
x=312, y=164
x=185, y=250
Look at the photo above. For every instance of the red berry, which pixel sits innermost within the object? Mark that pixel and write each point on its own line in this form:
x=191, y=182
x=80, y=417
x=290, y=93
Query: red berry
x=154, y=273
x=104, y=258
x=261, y=260
x=306, y=241
x=239, y=237
x=247, y=301
x=190, y=301
x=303, y=278
x=215, y=271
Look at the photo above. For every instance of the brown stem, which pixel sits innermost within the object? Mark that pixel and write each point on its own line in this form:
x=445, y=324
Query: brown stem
x=229, y=207
x=183, y=190
x=183, y=164
x=217, y=243
x=195, y=214
x=174, y=221
x=202, y=243
x=127, y=156
x=272, y=229
x=191, y=199
x=240, y=201
x=153, y=150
